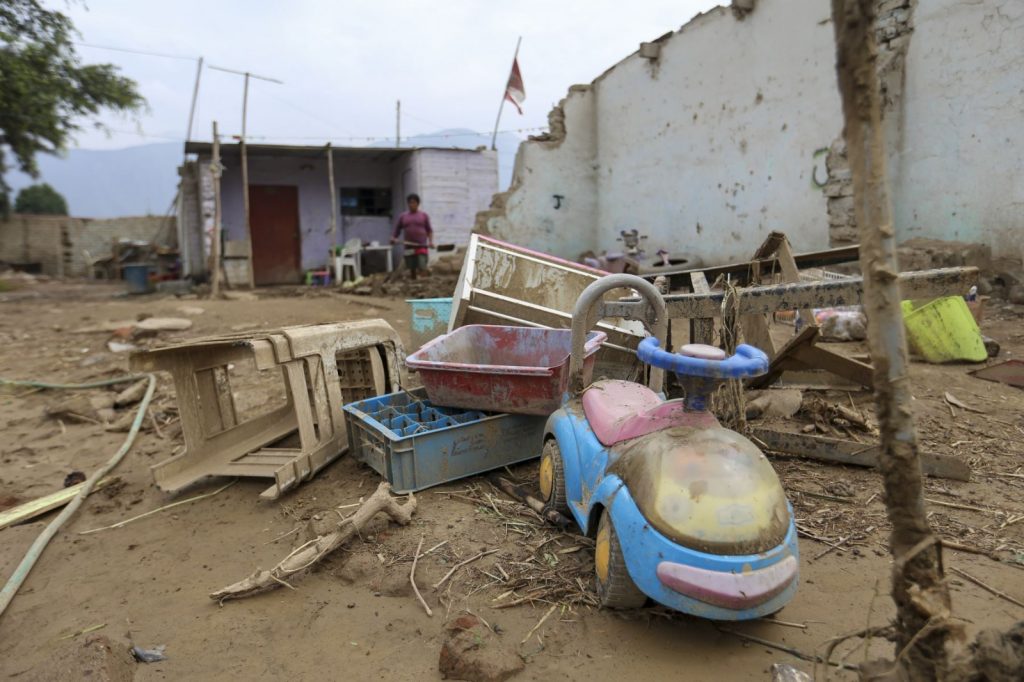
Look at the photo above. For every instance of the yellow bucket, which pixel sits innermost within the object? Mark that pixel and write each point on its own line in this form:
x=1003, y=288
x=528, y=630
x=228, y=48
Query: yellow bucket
x=944, y=331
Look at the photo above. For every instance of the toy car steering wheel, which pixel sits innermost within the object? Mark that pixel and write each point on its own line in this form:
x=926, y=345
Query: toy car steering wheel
x=698, y=360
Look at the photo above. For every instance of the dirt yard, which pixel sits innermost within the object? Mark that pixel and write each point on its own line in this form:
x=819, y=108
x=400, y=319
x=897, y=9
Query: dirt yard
x=355, y=616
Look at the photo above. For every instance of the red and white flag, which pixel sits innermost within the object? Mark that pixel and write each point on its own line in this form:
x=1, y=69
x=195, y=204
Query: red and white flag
x=515, y=92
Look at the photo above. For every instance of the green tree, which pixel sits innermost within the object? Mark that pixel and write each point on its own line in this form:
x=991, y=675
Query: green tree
x=41, y=200
x=45, y=90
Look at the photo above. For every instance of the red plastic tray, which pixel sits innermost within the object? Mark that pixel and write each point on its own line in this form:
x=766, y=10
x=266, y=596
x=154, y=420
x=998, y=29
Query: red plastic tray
x=522, y=370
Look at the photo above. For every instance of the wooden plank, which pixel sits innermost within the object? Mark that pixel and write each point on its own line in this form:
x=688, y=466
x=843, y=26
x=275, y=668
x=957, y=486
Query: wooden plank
x=800, y=353
x=702, y=330
x=850, y=452
x=794, y=296
x=39, y=506
x=816, y=357
x=742, y=272
x=755, y=332
x=779, y=362
x=791, y=274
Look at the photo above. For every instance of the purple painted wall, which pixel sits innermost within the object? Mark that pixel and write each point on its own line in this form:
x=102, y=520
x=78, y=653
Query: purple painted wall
x=455, y=185
x=310, y=176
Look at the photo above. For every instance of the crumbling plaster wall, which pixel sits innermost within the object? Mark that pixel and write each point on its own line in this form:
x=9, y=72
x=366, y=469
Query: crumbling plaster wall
x=735, y=130
x=693, y=148
x=696, y=148
x=960, y=170
x=552, y=202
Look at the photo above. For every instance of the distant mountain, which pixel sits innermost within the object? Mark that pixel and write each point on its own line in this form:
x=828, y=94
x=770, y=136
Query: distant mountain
x=507, y=144
x=109, y=183
x=143, y=180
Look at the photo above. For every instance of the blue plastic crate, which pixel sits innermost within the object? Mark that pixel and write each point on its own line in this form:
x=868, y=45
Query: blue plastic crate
x=416, y=445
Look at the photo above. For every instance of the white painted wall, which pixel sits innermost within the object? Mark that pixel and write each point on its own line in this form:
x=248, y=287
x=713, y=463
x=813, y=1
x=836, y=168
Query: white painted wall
x=695, y=150
x=720, y=140
x=453, y=186
x=961, y=162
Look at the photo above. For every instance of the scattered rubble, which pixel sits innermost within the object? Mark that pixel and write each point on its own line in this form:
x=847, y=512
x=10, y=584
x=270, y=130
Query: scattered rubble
x=96, y=659
x=471, y=651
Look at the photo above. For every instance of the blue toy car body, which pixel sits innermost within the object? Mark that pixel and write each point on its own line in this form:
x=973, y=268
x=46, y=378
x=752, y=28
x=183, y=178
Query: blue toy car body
x=683, y=511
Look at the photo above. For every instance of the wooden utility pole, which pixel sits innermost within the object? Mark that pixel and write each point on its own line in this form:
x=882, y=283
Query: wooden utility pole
x=215, y=171
x=918, y=585
x=245, y=182
x=334, y=200
x=245, y=160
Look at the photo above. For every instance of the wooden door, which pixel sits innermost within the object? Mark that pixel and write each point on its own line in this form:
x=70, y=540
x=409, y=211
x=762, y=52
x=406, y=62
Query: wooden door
x=274, y=221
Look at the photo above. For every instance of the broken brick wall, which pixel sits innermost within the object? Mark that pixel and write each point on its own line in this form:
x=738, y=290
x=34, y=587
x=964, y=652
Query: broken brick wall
x=728, y=129
x=893, y=28
x=60, y=244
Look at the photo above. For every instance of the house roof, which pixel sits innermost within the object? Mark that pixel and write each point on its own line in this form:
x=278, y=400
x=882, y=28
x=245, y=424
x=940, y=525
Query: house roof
x=284, y=150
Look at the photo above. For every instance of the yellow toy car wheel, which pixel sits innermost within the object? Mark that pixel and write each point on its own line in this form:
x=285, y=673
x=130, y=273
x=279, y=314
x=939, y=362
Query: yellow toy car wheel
x=552, y=479
x=615, y=588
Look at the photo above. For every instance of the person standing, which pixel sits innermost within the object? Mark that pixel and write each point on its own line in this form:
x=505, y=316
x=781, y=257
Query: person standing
x=418, y=235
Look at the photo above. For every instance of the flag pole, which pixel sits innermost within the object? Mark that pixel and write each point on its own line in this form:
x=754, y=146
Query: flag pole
x=494, y=138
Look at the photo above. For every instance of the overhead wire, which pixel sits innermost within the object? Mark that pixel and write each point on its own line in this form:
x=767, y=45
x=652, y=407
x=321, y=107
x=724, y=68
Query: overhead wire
x=131, y=50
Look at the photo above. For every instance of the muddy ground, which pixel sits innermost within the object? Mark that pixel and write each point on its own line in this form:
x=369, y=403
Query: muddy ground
x=355, y=616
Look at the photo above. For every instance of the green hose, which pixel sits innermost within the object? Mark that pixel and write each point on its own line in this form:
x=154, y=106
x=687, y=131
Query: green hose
x=21, y=572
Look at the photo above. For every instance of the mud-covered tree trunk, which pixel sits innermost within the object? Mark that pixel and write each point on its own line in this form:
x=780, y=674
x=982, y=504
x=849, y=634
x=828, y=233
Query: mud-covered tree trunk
x=918, y=586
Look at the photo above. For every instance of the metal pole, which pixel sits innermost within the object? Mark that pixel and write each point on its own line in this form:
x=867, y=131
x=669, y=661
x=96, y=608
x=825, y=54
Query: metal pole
x=245, y=182
x=497, y=122
x=334, y=199
x=195, y=97
x=398, y=123
x=215, y=170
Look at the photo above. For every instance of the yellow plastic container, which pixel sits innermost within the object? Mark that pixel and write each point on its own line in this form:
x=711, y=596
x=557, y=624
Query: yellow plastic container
x=944, y=331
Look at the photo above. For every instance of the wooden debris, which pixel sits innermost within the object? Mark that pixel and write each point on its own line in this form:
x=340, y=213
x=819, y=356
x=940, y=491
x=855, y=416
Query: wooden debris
x=158, y=510
x=132, y=394
x=953, y=400
x=539, y=623
x=517, y=493
x=306, y=555
x=37, y=507
x=985, y=586
x=459, y=565
x=787, y=649
x=846, y=452
x=412, y=577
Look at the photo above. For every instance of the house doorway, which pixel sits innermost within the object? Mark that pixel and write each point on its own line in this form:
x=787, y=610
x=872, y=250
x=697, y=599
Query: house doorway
x=274, y=224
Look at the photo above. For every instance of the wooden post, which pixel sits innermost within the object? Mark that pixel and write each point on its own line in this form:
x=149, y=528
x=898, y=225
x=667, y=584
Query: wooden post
x=918, y=586
x=245, y=160
x=215, y=171
x=334, y=201
x=245, y=183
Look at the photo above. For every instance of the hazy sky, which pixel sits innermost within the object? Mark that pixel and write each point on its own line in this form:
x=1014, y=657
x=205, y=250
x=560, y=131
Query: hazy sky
x=345, y=63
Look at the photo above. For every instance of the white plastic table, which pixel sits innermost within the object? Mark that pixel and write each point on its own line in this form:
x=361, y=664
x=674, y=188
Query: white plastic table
x=386, y=248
